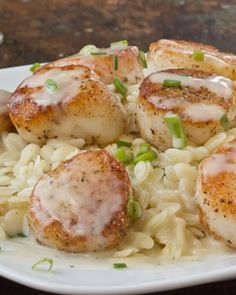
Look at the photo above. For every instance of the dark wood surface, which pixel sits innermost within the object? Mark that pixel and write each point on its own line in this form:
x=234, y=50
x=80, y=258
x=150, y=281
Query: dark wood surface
x=43, y=30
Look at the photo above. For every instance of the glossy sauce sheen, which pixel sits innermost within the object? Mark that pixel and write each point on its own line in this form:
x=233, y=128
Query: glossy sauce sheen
x=219, y=85
x=68, y=84
x=221, y=162
x=198, y=112
x=83, y=192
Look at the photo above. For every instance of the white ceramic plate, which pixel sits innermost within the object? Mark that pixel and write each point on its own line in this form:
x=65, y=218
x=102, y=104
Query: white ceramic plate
x=95, y=275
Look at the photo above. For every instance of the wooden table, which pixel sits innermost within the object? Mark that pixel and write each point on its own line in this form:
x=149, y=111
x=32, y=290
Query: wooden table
x=43, y=30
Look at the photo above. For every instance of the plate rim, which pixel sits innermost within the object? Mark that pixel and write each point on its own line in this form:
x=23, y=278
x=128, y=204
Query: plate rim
x=226, y=273
x=223, y=273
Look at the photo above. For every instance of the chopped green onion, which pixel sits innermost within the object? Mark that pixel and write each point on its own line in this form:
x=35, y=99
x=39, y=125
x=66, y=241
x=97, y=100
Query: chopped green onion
x=224, y=121
x=120, y=87
x=115, y=62
x=175, y=126
x=44, y=260
x=122, y=42
x=150, y=156
x=122, y=156
x=171, y=83
x=87, y=49
x=134, y=209
x=119, y=265
x=123, y=143
x=51, y=85
x=143, y=58
x=198, y=55
x=35, y=66
x=143, y=148
x=98, y=53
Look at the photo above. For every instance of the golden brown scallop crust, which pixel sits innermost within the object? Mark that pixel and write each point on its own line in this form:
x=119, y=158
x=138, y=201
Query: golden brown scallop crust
x=149, y=89
x=218, y=194
x=129, y=67
x=55, y=235
x=178, y=54
x=25, y=113
x=183, y=43
x=93, y=101
x=219, y=189
x=200, y=109
x=23, y=109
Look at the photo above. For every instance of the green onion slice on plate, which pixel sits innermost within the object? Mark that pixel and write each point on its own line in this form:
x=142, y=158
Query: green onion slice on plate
x=123, y=143
x=51, y=85
x=125, y=158
x=171, y=83
x=150, y=156
x=175, y=126
x=198, y=55
x=35, y=66
x=224, y=121
x=120, y=87
x=118, y=43
x=47, y=260
x=119, y=265
x=98, y=53
x=143, y=58
x=87, y=49
x=115, y=62
x=134, y=209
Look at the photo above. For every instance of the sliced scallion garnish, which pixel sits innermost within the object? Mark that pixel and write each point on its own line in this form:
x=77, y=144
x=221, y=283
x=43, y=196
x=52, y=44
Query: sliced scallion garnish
x=98, y=53
x=224, y=121
x=134, y=209
x=171, y=83
x=143, y=58
x=47, y=260
x=198, y=55
x=175, y=126
x=51, y=85
x=120, y=87
x=119, y=265
x=87, y=49
x=143, y=148
x=150, y=156
x=123, y=143
x=35, y=66
x=122, y=42
x=125, y=158
x=115, y=62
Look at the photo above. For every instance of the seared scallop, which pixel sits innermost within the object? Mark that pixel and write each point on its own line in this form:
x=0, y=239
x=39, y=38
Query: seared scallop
x=216, y=193
x=178, y=54
x=5, y=121
x=81, y=206
x=66, y=102
x=200, y=100
x=116, y=61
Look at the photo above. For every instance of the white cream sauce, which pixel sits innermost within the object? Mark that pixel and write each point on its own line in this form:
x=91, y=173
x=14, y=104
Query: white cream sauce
x=80, y=192
x=219, y=85
x=14, y=250
x=67, y=81
x=221, y=162
x=4, y=99
x=203, y=112
x=198, y=112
